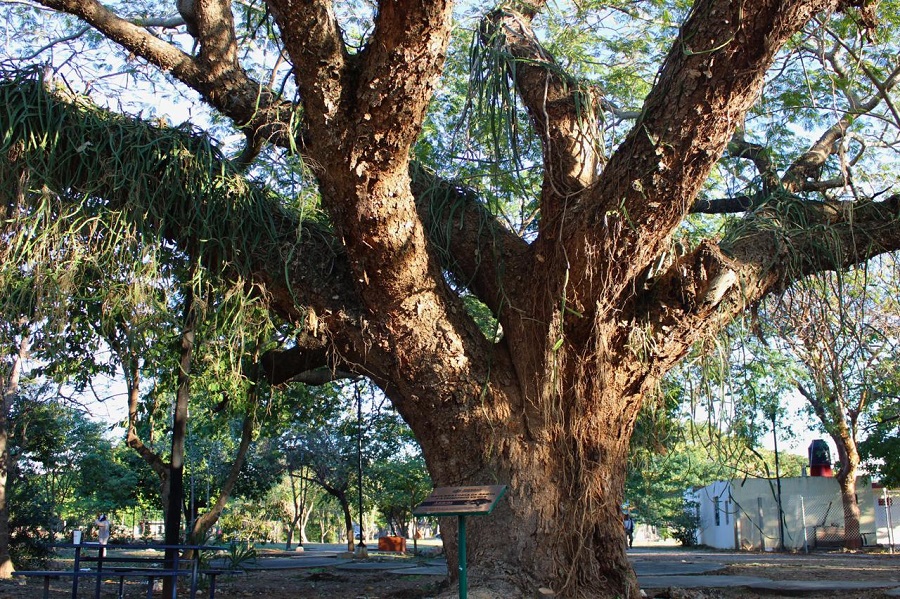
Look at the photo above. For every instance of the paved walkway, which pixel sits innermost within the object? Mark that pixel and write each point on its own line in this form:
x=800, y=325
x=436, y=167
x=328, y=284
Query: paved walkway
x=678, y=569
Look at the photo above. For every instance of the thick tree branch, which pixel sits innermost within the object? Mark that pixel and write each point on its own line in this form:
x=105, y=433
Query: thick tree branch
x=808, y=167
x=310, y=282
x=707, y=83
x=803, y=175
x=225, y=87
x=731, y=205
x=562, y=111
x=701, y=292
x=481, y=253
x=294, y=264
x=129, y=35
x=739, y=147
x=312, y=39
x=312, y=361
x=399, y=68
x=247, y=103
x=215, y=32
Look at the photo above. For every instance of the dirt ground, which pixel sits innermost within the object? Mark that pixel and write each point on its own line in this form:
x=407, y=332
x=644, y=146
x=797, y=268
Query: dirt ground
x=824, y=566
x=328, y=582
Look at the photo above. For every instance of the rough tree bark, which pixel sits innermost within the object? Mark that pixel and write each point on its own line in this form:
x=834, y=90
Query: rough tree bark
x=9, y=386
x=846, y=477
x=547, y=410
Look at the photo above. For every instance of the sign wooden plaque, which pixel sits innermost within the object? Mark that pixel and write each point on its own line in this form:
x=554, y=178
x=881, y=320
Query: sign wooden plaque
x=461, y=501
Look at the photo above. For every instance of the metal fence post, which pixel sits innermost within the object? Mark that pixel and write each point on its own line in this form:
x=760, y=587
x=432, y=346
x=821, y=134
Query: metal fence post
x=888, y=499
x=803, y=523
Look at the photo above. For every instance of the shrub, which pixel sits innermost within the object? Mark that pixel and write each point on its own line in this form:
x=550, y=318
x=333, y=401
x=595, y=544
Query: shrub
x=684, y=526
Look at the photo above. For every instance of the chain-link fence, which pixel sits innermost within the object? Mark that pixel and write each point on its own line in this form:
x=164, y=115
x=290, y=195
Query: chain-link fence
x=744, y=514
x=814, y=520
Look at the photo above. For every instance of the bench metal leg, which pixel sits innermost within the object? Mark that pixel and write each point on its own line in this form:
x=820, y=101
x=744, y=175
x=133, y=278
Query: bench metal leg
x=150, y=587
x=46, y=587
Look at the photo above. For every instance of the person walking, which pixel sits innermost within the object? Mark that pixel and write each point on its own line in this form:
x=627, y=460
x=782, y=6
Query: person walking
x=629, y=530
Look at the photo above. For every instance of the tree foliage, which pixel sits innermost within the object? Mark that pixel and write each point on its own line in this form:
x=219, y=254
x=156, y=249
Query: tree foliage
x=554, y=176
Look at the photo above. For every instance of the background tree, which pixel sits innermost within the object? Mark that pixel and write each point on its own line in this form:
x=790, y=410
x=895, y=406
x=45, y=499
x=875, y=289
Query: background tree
x=880, y=450
x=330, y=458
x=402, y=484
x=10, y=377
x=841, y=332
x=66, y=471
x=594, y=300
x=294, y=499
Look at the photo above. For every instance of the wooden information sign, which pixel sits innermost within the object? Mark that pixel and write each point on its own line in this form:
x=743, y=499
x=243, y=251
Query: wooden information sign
x=461, y=502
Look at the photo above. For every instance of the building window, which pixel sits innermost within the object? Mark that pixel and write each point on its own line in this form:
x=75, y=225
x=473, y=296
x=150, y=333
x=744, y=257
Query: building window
x=727, y=510
x=716, y=508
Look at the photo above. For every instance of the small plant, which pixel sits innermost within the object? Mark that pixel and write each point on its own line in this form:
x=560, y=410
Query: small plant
x=240, y=553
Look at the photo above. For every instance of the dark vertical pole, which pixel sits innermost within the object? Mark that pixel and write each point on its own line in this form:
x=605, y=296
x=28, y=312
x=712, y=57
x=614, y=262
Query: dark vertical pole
x=179, y=434
x=76, y=569
x=463, y=574
x=362, y=540
x=193, y=509
x=100, y=554
x=778, y=486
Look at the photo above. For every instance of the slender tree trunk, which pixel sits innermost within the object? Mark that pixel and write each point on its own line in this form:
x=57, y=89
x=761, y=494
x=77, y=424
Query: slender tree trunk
x=156, y=463
x=842, y=433
x=304, y=519
x=6, y=565
x=846, y=478
x=295, y=513
x=348, y=521
x=179, y=434
x=289, y=537
x=204, y=523
x=300, y=509
x=7, y=393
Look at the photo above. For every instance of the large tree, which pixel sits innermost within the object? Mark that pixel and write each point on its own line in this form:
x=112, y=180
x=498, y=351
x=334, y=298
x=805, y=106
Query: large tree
x=594, y=302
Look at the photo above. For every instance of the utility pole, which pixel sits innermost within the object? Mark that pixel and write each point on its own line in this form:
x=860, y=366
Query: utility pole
x=778, y=484
x=359, y=431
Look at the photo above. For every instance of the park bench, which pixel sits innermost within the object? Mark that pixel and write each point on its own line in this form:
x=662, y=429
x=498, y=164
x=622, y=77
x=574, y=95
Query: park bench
x=113, y=562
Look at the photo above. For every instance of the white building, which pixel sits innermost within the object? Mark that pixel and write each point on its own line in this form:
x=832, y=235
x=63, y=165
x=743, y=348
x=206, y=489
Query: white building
x=743, y=513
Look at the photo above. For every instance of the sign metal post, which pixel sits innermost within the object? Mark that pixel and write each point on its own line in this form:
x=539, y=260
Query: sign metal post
x=461, y=502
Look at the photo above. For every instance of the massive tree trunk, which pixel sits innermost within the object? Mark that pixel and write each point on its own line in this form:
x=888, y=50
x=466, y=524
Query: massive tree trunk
x=548, y=409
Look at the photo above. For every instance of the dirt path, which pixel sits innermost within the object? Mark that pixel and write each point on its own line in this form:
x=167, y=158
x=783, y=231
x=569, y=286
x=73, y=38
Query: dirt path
x=332, y=582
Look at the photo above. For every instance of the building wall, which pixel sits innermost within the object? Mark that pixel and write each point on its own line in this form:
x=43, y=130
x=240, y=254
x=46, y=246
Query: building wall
x=743, y=513
x=716, y=515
